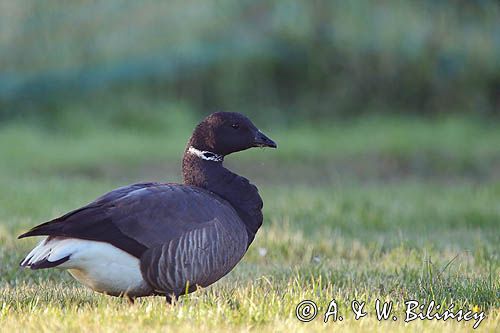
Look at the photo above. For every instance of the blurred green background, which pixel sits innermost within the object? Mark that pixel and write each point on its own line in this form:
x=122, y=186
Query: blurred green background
x=354, y=90
x=385, y=183
x=282, y=61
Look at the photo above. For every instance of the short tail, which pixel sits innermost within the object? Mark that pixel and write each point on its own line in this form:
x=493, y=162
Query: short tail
x=45, y=255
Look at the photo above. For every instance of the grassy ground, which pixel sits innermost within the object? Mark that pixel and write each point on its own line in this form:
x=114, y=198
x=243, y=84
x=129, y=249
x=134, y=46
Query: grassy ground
x=388, y=208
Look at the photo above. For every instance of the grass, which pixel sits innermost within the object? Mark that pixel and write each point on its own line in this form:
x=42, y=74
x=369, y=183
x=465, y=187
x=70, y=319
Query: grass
x=388, y=208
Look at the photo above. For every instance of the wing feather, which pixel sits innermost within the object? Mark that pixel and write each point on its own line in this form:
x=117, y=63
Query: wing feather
x=140, y=216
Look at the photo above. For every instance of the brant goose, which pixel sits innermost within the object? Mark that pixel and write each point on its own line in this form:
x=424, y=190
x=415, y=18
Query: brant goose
x=163, y=238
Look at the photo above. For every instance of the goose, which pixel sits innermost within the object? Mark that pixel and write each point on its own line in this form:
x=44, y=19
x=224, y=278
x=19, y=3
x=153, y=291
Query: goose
x=163, y=239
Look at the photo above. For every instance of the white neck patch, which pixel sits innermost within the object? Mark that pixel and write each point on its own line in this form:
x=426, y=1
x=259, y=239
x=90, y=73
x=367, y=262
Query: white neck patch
x=205, y=155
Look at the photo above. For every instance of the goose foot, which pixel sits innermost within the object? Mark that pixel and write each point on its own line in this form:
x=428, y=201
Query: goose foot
x=170, y=299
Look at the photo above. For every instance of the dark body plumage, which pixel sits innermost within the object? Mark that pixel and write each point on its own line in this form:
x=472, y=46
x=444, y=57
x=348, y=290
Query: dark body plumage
x=184, y=235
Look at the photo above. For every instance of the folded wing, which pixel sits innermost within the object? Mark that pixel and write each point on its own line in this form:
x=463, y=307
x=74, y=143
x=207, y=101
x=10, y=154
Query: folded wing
x=138, y=217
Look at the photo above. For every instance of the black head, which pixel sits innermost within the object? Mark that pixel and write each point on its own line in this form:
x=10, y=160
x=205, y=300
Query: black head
x=228, y=132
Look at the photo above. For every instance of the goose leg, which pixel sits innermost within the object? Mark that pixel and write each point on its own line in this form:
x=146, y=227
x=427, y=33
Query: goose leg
x=170, y=299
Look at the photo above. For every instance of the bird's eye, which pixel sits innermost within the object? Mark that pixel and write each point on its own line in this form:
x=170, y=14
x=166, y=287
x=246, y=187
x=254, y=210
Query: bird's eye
x=235, y=126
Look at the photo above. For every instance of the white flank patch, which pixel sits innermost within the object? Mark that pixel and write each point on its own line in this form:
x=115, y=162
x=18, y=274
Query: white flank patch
x=98, y=265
